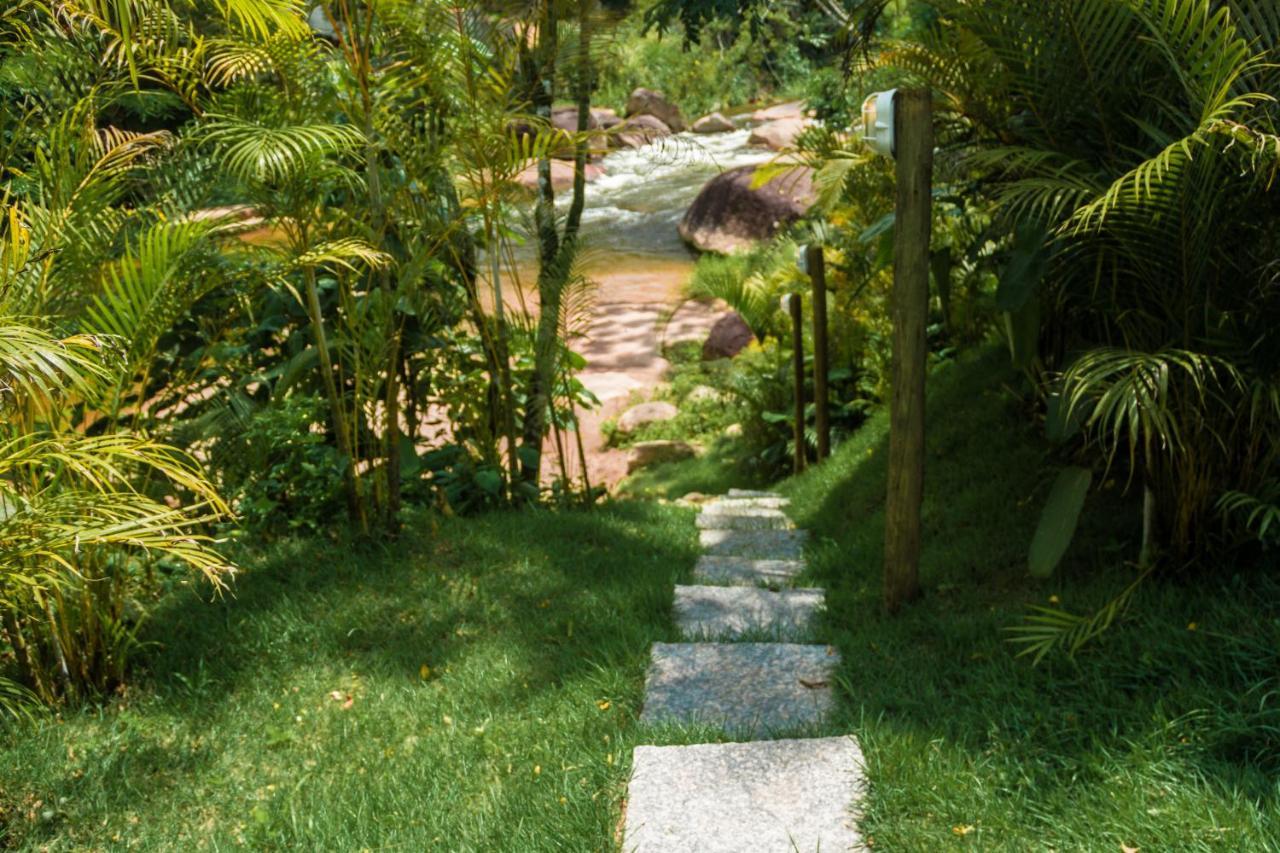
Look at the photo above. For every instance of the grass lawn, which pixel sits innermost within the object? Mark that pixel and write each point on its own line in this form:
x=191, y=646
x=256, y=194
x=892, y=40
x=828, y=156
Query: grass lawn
x=534, y=628
x=475, y=685
x=1163, y=735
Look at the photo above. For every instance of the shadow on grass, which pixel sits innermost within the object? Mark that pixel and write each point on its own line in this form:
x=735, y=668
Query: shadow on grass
x=1087, y=753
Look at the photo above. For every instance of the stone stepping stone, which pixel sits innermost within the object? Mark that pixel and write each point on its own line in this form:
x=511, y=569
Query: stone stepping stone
x=743, y=503
x=749, y=493
x=744, y=571
x=748, y=688
x=779, y=796
x=743, y=518
x=724, y=612
x=756, y=544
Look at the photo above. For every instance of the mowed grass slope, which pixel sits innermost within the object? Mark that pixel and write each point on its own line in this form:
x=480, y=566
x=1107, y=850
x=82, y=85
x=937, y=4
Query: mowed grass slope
x=1162, y=735
x=468, y=689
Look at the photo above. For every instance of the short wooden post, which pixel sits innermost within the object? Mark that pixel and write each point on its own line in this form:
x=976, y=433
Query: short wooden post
x=822, y=417
x=913, y=133
x=794, y=304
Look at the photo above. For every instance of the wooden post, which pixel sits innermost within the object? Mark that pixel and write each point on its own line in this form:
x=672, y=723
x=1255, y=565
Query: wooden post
x=913, y=134
x=797, y=357
x=822, y=416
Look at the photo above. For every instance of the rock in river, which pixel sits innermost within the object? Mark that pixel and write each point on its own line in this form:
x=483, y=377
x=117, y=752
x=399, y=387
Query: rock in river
x=650, y=103
x=730, y=214
x=714, y=123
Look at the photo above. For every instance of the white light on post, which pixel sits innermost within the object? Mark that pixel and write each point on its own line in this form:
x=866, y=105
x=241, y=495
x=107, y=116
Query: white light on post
x=877, y=123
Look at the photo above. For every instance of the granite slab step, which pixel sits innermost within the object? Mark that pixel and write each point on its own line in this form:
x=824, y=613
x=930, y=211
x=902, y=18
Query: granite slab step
x=744, y=571
x=743, y=518
x=734, y=503
x=756, y=544
x=751, y=493
x=750, y=689
x=725, y=612
x=778, y=796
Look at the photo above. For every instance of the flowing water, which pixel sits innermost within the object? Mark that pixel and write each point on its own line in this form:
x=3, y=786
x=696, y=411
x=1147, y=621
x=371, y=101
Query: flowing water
x=630, y=243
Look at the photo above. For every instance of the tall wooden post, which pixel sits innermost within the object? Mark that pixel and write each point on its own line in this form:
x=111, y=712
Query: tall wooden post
x=797, y=358
x=822, y=417
x=913, y=134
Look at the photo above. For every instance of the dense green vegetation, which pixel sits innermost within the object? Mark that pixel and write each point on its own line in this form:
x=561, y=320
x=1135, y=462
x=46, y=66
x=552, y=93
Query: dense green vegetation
x=298, y=546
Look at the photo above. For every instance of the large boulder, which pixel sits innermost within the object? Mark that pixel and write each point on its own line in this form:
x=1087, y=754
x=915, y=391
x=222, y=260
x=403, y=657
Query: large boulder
x=730, y=214
x=638, y=131
x=778, y=135
x=605, y=118
x=645, y=413
x=729, y=336
x=646, y=453
x=646, y=102
x=561, y=174
x=789, y=110
x=714, y=123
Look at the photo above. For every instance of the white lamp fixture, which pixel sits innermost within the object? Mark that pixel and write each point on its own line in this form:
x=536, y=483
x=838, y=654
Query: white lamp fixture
x=785, y=303
x=877, y=122
x=802, y=259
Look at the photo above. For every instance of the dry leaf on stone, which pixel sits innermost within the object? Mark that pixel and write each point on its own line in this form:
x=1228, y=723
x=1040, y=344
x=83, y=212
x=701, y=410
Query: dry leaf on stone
x=813, y=684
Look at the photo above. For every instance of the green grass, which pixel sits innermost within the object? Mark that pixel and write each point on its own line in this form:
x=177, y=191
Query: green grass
x=535, y=627
x=1156, y=737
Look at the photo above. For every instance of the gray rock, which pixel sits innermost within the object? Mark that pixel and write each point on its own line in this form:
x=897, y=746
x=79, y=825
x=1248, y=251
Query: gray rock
x=648, y=102
x=733, y=431
x=726, y=612
x=756, y=544
x=779, y=796
x=750, y=689
x=713, y=123
x=646, y=453
x=751, y=493
x=730, y=214
x=718, y=516
x=645, y=413
x=743, y=571
x=729, y=336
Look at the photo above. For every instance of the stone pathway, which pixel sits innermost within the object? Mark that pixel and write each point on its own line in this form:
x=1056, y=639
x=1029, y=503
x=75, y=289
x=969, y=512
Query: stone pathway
x=763, y=795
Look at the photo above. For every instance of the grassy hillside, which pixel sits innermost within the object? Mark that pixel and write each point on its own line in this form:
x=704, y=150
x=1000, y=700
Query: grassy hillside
x=1165, y=734
x=298, y=714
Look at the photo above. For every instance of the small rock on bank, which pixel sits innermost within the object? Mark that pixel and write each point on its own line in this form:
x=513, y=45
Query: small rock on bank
x=645, y=413
x=648, y=102
x=647, y=453
x=729, y=336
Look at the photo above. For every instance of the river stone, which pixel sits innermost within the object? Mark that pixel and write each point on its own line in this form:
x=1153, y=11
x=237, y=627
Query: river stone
x=729, y=336
x=730, y=214
x=723, y=517
x=756, y=544
x=645, y=413
x=748, y=688
x=751, y=493
x=778, y=796
x=561, y=175
x=777, y=112
x=638, y=131
x=725, y=612
x=778, y=135
x=743, y=571
x=646, y=453
x=648, y=102
x=714, y=123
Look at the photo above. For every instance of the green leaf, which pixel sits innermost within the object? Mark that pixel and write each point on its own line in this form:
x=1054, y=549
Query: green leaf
x=1022, y=328
x=1058, y=521
x=1026, y=267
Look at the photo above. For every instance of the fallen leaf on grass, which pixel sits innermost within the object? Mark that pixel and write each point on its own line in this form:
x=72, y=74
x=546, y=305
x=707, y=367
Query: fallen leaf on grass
x=424, y=672
x=962, y=830
x=603, y=704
